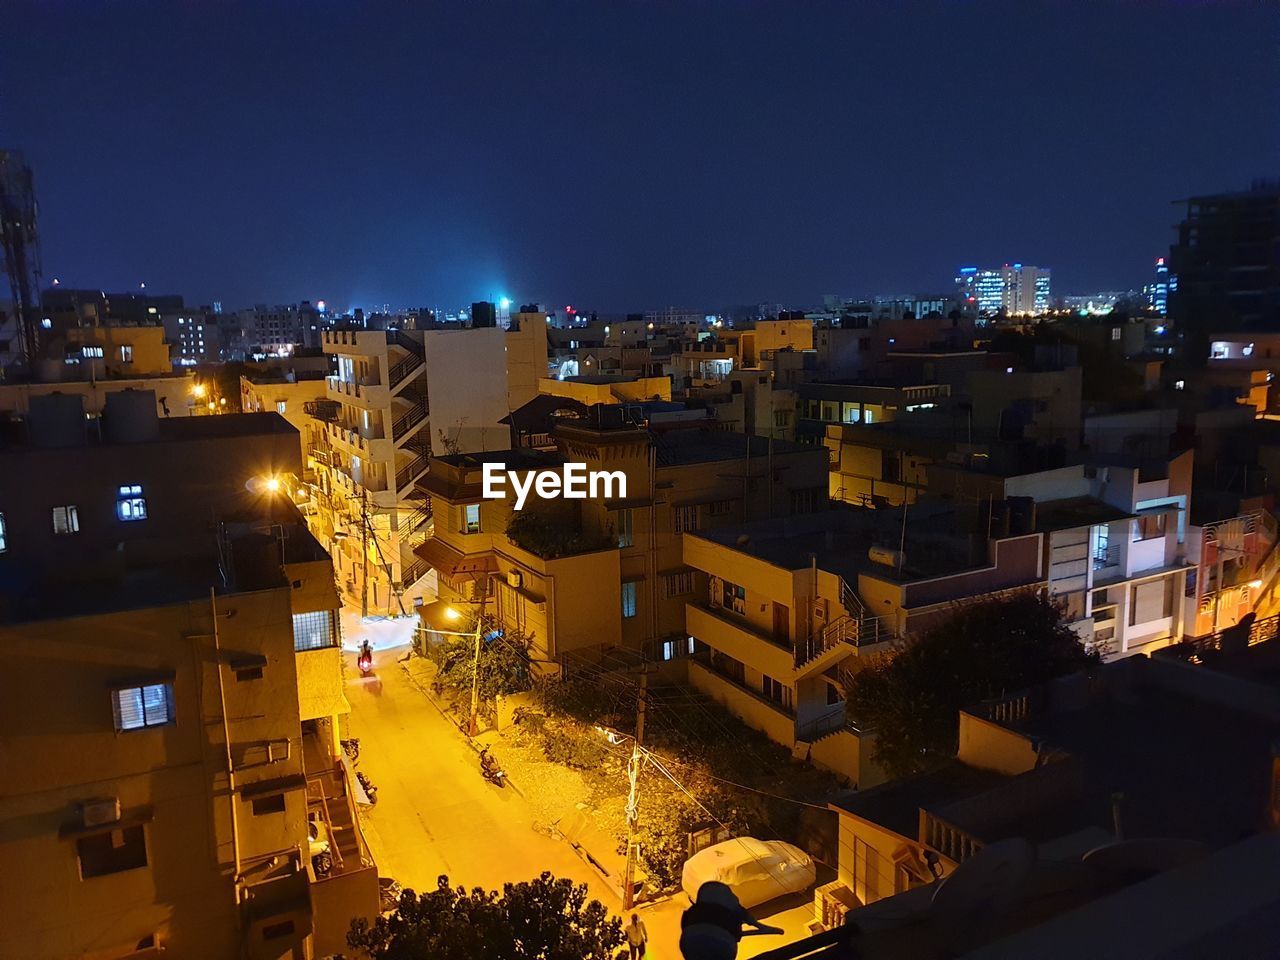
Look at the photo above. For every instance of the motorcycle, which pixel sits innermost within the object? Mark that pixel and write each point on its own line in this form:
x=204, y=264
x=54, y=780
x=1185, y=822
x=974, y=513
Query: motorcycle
x=490, y=770
x=370, y=790
x=365, y=660
x=388, y=894
x=352, y=748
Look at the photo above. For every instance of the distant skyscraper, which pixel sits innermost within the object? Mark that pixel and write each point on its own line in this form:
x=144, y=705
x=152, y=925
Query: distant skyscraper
x=1157, y=291
x=1012, y=289
x=484, y=314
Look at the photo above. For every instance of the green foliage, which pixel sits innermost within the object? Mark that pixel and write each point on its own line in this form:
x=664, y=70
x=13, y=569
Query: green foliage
x=986, y=649
x=573, y=746
x=583, y=700
x=550, y=539
x=542, y=919
x=503, y=665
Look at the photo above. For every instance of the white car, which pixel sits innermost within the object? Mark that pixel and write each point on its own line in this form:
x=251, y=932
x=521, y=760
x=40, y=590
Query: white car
x=755, y=870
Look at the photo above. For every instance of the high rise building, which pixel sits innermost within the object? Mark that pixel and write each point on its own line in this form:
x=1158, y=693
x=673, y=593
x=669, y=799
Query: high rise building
x=1157, y=291
x=1227, y=261
x=1013, y=289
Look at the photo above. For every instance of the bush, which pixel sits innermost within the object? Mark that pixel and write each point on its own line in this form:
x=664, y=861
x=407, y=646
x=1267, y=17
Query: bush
x=573, y=748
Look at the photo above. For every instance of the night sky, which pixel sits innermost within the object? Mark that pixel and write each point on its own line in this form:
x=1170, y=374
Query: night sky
x=624, y=155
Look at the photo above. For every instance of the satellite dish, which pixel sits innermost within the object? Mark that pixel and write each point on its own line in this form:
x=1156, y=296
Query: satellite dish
x=980, y=889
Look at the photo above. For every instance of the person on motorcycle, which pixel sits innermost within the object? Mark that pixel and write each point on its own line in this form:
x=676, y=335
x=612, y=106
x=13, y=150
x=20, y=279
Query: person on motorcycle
x=366, y=655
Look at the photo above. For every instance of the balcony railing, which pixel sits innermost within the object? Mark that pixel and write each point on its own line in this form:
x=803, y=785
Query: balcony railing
x=410, y=418
x=325, y=410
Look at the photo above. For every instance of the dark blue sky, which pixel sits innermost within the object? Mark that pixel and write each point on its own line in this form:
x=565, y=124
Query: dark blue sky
x=624, y=155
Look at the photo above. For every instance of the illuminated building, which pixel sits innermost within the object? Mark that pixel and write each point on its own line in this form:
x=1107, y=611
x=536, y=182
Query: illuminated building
x=173, y=724
x=1157, y=291
x=1013, y=289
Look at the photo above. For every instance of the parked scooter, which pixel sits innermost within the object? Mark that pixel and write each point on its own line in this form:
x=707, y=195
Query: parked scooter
x=490, y=770
x=365, y=660
x=351, y=748
x=369, y=789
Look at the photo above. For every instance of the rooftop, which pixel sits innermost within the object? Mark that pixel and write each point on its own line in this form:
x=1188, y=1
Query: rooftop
x=681, y=447
x=1075, y=512
x=839, y=539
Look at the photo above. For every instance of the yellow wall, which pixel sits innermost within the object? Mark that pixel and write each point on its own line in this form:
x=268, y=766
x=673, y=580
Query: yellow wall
x=623, y=391
x=989, y=746
x=185, y=891
x=150, y=351
x=751, y=709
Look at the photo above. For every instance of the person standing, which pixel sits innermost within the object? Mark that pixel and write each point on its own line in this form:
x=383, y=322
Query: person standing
x=637, y=937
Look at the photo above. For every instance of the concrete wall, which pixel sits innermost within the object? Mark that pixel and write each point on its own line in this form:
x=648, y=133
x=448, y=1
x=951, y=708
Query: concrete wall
x=172, y=776
x=752, y=709
x=467, y=388
x=849, y=754
x=989, y=746
x=173, y=394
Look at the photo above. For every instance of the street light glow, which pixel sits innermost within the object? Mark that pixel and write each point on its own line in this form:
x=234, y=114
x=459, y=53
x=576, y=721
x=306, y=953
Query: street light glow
x=452, y=613
x=198, y=390
x=271, y=484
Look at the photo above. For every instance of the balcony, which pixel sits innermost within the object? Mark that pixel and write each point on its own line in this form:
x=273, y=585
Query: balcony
x=323, y=410
x=740, y=639
x=750, y=706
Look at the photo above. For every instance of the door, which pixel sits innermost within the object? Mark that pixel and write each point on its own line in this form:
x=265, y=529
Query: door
x=781, y=622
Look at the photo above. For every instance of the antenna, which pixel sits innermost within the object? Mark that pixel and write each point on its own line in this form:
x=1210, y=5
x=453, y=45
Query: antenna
x=20, y=249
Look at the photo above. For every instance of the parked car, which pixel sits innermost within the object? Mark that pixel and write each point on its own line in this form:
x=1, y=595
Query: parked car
x=755, y=870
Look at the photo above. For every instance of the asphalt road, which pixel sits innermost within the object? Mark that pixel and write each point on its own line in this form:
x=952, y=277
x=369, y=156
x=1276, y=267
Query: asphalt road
x=436, y=814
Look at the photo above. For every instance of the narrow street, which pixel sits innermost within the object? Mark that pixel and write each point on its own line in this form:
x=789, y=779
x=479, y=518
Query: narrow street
x=436, y=815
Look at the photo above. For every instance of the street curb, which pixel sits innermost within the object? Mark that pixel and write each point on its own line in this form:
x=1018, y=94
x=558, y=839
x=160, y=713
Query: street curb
x=469, y=741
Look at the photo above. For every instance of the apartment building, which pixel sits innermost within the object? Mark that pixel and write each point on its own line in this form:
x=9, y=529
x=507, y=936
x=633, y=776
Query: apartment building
x=1072, y=770
x=619, y=557
x=167, y=604
x=398, y=397
x=794, y=604
x=1114, y=533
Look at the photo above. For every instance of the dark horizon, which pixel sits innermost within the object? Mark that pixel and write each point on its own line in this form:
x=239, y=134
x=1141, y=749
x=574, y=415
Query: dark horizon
x=625, y=157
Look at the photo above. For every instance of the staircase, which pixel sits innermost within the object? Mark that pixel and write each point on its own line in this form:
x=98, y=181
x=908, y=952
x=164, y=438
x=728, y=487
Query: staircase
x=410, y=417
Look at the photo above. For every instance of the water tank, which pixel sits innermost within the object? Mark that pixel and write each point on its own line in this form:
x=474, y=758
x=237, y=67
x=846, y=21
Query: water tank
x=887, y=557
x=130, y=416
x=56, y=420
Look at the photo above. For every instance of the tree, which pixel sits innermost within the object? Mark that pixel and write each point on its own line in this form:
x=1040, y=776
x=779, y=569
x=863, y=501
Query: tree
x=541, y=919
x=504, y=661
x=988, y=648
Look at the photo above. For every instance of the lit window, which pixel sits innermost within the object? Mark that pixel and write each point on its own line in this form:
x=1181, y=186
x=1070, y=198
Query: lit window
x=626, y=528
x=112, y=851
x=1248, y=350
x=629, y=600
x=1115, y=333
x=314, y=631
x=471, y=518
x=130, y=504
x=280, y=405
x=66, y=519
x=91, y=352
x=4, y=537
x=47, y=323
x=126, y=353
x=1179, y=384
x=147, y=706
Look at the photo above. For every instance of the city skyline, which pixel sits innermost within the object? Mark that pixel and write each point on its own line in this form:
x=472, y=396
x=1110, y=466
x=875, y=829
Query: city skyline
x=625, y=158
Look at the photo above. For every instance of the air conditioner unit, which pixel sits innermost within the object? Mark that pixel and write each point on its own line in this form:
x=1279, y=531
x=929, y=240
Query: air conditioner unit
x=100, y=812
x=515, y=579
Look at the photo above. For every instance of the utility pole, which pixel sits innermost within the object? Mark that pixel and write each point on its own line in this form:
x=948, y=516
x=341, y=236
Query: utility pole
x=473, y=725
x=633, y=795
x=364, y=550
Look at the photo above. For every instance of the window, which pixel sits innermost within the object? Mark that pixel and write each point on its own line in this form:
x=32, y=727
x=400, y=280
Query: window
x=66, y=520
x=1149, y=527
x=91, y=352
x=282, y=404
x=4, y=537
x=1115, y=333
x=733, y=597
x=471, y=518
x=677, y=584
x=272, y=804
x=626, y=528
x=775, y=690
x=807, y=501
x=1102, y=547
x=673, y=649
x=782, y=418
x=146, y=706
x=112, y=851
x=629, y=600
x=314, y=631
x=684, y=519
x=1149, y=601
x=126, y=352
x=130, y=504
